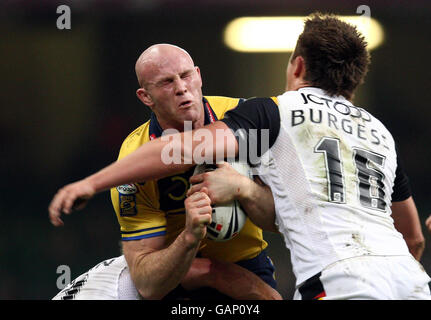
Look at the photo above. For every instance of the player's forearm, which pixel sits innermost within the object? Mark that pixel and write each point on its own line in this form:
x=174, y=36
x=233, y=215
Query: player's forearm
x=258, y=203
x=416, y=247
x=156, y=274
x=166, y=156
x=146, y=163
x=407, y=222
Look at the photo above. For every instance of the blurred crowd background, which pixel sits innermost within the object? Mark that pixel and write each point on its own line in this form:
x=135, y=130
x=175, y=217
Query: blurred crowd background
x=68, y=100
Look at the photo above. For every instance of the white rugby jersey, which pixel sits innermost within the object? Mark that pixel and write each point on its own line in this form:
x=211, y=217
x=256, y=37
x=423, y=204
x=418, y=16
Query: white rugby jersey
x=331, y=168
x=108, y=280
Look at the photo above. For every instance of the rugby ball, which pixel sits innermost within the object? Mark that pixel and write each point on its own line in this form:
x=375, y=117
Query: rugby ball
x=228, y=219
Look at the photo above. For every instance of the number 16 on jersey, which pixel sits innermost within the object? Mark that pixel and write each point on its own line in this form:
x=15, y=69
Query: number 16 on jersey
x=369, y=176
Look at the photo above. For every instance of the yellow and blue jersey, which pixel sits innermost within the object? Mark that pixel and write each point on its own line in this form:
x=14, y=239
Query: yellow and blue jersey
x=156, y=208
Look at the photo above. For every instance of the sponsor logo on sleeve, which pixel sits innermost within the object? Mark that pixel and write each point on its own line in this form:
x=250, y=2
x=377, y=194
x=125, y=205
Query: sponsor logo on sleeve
x=127, y=189
x=127, y=199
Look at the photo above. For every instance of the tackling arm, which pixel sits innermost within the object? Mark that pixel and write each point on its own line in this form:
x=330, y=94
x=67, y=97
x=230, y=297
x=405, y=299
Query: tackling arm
x=147, y=163
x=406, y=221
x=225, y=185
x=258, y=202
x=151, y=161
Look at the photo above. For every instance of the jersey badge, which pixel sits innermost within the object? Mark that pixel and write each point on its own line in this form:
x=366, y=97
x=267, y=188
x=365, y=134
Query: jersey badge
x=127, y=199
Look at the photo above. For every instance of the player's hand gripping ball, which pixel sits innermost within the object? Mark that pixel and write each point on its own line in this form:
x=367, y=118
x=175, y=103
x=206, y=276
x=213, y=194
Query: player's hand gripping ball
x=227, y=219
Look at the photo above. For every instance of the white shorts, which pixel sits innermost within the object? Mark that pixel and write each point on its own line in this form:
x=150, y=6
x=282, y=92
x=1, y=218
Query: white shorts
x=109, y=280
x=369, y=278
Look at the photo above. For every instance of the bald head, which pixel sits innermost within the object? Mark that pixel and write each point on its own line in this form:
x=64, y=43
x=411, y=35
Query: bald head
x=171, y=86
x=155, y=57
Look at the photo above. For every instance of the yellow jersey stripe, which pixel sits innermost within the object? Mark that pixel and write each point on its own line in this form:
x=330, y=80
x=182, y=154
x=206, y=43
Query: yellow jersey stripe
x=143, y=233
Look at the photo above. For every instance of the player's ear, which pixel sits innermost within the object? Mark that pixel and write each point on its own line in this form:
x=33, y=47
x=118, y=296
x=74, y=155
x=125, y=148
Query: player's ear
x=145, y=98
x=199, y=74
x=298, y=67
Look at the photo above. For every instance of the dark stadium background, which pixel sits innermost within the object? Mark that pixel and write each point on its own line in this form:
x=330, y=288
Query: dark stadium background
x=68, y=100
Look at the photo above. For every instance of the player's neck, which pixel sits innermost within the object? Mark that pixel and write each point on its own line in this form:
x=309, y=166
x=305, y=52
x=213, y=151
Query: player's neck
x=199, y=123
x=297, y=84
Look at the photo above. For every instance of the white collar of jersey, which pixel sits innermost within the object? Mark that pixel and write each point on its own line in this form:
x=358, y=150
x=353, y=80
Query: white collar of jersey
x=319, y=91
